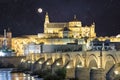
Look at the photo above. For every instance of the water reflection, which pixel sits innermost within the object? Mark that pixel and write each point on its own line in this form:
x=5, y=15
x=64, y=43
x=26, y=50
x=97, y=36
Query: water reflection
x=6, y=75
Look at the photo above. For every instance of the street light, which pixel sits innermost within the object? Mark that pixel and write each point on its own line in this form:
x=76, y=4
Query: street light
x=85, y=51
x=85, y=56
x=101, y=54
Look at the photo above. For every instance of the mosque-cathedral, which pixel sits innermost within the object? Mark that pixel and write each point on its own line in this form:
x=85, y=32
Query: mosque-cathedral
x=55, y=33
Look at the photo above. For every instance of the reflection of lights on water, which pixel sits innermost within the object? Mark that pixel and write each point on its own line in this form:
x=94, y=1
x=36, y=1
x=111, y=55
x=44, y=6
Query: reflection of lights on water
x=116, y=72
x=17, y=78
x=2, y=53
x=24, y=74
x=28, y=77
x=6, y=75
x=33, y=78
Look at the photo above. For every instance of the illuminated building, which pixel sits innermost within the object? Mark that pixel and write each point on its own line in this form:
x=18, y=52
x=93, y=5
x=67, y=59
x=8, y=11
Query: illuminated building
x=5, y=48
x=57, y=34
x=72, y=29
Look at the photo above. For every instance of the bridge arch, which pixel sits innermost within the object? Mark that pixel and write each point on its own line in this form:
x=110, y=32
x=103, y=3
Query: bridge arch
x=78, y=61
x=66, y=57
x=114, y=72
x=109, y=62
x=40, y=60
x=92, y=61
x=57, y=63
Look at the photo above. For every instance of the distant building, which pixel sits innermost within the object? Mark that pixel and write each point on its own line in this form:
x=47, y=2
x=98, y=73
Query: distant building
x=65, y=34
x=72, y=29
x=5, y=44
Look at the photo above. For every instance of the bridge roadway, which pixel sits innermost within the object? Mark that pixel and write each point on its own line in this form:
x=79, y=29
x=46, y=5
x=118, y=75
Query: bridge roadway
x=84, y=65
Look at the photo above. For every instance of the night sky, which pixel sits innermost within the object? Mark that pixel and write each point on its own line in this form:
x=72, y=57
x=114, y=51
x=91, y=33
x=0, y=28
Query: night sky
x=23, y=18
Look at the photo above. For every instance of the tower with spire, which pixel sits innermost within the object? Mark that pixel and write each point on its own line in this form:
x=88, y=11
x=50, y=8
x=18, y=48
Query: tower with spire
x=9, y=38
x=4, y=40
x=46, y=22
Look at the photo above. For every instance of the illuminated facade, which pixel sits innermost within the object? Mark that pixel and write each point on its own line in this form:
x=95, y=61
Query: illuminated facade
x=56, y=33
x=72, y=29
x=5, y=44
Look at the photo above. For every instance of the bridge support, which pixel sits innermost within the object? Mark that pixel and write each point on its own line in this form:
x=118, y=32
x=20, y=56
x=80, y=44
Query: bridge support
x=70, y=73
x=97, y=74
x=82, y=73
x=37, y=67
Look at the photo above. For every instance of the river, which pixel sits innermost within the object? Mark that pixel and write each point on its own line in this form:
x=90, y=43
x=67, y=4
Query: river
x=6, y=75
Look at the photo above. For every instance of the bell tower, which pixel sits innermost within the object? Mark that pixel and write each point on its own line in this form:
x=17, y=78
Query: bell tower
x=9, y=38
x=46, y=22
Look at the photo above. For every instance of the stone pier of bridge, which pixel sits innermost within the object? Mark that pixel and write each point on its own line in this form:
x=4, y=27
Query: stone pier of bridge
x=84, y=65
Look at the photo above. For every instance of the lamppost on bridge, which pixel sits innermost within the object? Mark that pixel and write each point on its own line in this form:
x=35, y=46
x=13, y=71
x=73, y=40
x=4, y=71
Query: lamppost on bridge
x=101, y=54
x=100, y=58
x=85, y=51
x=85, y=61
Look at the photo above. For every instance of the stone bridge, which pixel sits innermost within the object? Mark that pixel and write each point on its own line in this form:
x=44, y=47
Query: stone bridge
x=84, y=65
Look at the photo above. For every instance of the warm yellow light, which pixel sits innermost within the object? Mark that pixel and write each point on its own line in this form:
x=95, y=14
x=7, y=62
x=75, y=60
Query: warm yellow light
x=79, y=66
x=40, y=62
x=48, y=63
x=94, y=67
x=29, y=62
x=32, y=61
x=68, y=67
x=58, y=64
x=116, y=72
x=22, y=60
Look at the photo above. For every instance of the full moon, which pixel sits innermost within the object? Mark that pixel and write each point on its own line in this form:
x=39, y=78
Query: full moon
x=40, y=10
